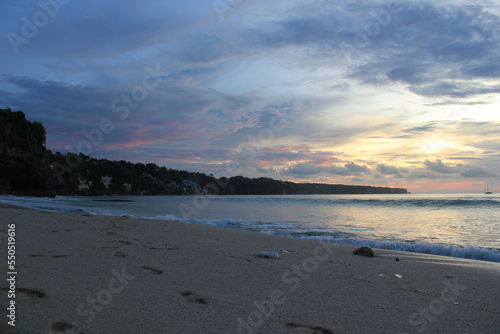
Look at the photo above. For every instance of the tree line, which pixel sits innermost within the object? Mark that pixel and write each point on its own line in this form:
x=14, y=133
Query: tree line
x=32, y=169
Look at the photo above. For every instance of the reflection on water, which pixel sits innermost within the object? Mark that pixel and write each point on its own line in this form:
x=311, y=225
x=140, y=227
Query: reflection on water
x=451, y=219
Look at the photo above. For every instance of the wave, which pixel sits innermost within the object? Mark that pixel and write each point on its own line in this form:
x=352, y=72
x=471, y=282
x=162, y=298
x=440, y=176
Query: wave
x=294, y=231
x=468, y=252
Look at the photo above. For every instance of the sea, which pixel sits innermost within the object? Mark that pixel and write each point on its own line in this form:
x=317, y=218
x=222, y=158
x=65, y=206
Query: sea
x=456, y=225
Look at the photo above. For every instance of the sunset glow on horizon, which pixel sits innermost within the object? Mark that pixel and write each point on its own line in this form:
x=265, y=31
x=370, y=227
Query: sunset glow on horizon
x=386, y=93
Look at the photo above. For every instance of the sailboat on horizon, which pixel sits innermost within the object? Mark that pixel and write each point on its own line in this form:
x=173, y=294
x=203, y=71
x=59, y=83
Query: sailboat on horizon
x=487, y=191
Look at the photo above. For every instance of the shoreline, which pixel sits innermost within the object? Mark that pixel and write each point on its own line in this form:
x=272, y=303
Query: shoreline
x=481, y=253
x=98, y=274
x=12, y=206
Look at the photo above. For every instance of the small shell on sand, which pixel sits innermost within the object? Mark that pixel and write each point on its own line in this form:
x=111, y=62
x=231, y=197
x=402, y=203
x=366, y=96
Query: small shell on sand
x=364, y=251
x=269, y=255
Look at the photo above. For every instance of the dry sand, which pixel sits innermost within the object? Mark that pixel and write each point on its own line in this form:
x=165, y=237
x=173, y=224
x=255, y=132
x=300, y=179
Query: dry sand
x=97, y=274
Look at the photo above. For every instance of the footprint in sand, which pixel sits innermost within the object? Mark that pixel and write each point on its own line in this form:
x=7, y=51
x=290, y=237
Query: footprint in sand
x=63, y=327
x=168, y=248
x=31, y=292
x=193, y=297
x=119, y=254
x=314, y=329
x=28, y=292
x=152, y=270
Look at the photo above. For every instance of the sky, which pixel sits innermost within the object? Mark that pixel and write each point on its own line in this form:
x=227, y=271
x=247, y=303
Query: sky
x=384, y=93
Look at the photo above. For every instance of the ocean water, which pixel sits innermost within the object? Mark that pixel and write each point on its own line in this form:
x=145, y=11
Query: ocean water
x=457, y=225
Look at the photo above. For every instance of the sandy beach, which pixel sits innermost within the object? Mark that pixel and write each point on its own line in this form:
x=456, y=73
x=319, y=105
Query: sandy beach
x=105, y=274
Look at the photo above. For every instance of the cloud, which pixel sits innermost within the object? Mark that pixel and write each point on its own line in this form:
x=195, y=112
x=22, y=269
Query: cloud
x=361, y=86
x=474, y=172
x=304, y=168
x=170, y=112
x=350, y=169
x=90, y=30
x=310, y=168
x=485, y=70
x=435, y=169
x=389, y=170
x=430, y=47
x=421, y=129
x=408, y=74
x=438, y=167
x=451, y=88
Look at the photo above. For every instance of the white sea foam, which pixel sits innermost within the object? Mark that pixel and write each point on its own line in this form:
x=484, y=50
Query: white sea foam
x=468, y=252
